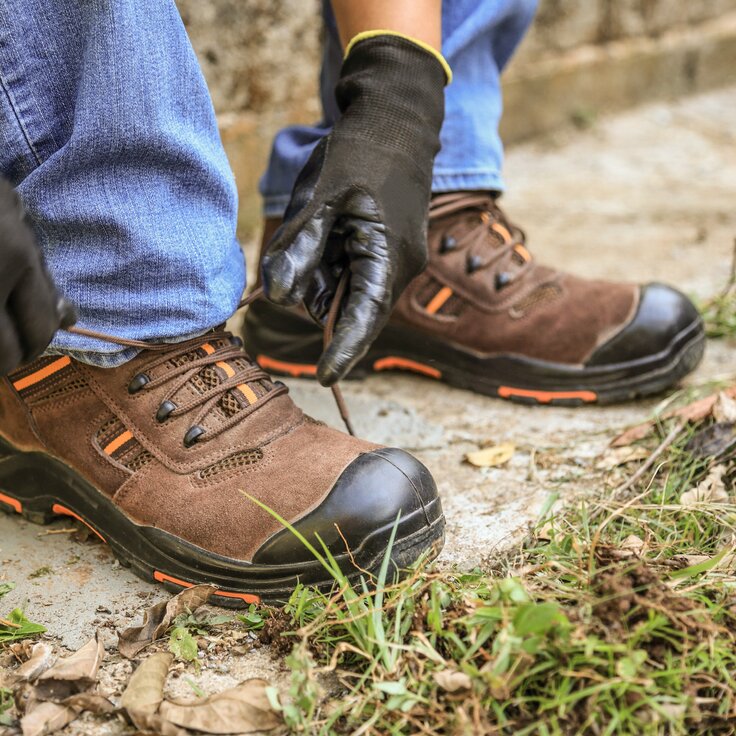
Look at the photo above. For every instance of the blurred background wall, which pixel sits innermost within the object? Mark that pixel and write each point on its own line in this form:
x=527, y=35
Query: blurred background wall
x=582, y=58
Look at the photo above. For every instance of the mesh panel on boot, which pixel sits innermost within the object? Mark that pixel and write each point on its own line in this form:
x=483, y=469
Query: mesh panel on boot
x=239, y=460
x=541, y=295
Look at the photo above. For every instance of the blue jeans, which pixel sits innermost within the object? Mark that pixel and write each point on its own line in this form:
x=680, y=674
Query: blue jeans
x=107, y=131
x=478, y=39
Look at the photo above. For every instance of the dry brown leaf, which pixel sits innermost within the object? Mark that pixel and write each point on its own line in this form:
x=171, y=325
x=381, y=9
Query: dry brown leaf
x=152, y=723
x=693, y=412
x=490, y=457
x=711, y=489
x=452, y=681
x=243, y=709
x=90, y=702
x=616, y=456
x=724, y=409
x=46, y=718
x=158, y=618
x=145, y=691
x=634, y=544
x=73, y=674
x=40, y=660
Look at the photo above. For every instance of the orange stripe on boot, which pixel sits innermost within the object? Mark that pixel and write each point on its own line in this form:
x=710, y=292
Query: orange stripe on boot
x=64, y=511
x=248, y=392
x=162, y=577
x=544, y=397
x=438, y=300
x=45, y=372
x=14, y=502
x=291, y=369
x=404, y=364
x=118, y=442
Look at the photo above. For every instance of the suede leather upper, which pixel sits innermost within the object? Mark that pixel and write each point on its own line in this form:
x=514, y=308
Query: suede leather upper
x=87, y=418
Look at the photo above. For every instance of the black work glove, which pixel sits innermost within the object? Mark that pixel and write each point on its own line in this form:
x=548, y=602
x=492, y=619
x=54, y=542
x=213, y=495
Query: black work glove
x=31, y=309
x=361, y=201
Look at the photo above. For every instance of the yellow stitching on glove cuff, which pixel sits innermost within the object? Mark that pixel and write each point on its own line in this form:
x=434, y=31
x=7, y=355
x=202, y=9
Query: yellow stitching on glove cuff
x=430, y=49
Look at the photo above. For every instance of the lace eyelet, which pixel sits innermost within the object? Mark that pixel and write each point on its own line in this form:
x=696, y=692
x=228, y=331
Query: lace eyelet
x=138, y=382
x=502, y=280
x=473, y=264
x=192, y=436
x=164, y=411
x=447, y=244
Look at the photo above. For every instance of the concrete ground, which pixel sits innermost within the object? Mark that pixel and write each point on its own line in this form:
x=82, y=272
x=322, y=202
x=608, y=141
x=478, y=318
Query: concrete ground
x=648, y=195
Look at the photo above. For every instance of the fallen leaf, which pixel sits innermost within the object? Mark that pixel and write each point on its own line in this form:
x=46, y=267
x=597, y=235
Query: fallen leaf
x=712, y=440
x=90, y=702
x=693, y=412
x=40, y=660
x=452, y=681
x=46, y=718
x=724, y=409
x=616, y=456
x=145, y=691
x=634, y=544
x=152, y=723
x=711, y=489
x=158, y=618
x=73, y=674
x=491, y=456
x=242, y=709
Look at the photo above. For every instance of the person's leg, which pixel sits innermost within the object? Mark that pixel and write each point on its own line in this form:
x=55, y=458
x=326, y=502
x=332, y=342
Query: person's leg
x=478, y=40
x=123, y=176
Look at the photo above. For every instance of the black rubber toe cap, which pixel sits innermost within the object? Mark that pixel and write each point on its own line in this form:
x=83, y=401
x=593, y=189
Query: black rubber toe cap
x=664, y=317
x=364, y=504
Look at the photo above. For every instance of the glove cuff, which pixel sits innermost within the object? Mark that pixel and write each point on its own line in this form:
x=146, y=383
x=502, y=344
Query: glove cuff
x=364, y=35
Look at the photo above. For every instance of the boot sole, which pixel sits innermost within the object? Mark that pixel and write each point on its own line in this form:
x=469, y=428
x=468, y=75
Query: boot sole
x=287, y=344
x=157, y=556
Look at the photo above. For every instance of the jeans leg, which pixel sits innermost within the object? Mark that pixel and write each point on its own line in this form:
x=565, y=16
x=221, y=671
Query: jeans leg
x=107, y=131
x=479, y=37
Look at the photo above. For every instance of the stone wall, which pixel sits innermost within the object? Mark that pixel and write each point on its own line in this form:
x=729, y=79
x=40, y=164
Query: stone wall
x=581, y=58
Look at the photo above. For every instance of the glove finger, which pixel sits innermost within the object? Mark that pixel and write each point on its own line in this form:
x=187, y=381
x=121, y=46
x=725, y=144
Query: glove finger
x=33, y=307
x=11, y=353
x=367, y=306
x=360, y=323
x=293, y=255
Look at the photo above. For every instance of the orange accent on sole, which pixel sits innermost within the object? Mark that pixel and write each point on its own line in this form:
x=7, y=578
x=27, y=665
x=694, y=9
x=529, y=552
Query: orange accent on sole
x=404, y=364
x=292, y=369
x=438, y=300
x=60, y=510
x=14, y=502
x=161, y=577
x=38, y=376
x=545, y=397
x=118, y=442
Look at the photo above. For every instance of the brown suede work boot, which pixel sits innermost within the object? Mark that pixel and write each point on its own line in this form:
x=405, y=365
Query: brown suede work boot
x=156, y=458
x=486, y=317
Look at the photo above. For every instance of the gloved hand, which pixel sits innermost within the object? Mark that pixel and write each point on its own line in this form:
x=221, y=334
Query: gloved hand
x=31, y=309
x=361, y=201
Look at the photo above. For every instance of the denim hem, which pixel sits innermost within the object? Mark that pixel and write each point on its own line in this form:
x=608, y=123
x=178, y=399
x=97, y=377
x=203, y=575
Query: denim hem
x=116, y=359
x=467, y=181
